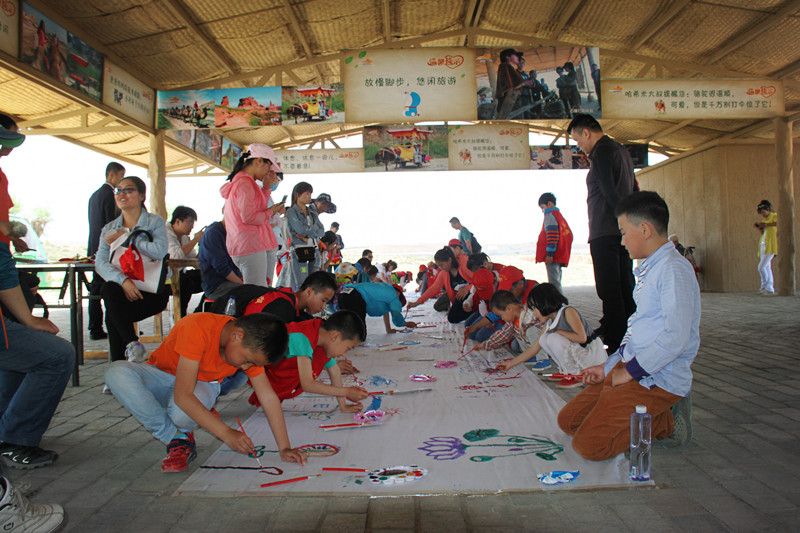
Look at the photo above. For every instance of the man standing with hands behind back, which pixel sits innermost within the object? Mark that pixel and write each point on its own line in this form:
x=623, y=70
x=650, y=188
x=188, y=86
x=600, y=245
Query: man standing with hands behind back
x=610, y=179
x=102, y=210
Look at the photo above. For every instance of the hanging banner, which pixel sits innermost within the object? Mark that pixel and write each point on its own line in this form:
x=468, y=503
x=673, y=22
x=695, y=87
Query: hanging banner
x=127, y=95
x=9, y=27
x=488, y=147
x=405, y=148
x=317, y=103
x=692, y=99
x=551, y=158
x=410, y=84
x=328, y=161
x=537, y=83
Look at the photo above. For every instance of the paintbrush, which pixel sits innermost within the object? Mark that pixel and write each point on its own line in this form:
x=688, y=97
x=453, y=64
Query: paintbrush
x=254, y=446
x=390, y=392
x=469, y=352
x=466, y=336
x=289, y=480
x=562, y=376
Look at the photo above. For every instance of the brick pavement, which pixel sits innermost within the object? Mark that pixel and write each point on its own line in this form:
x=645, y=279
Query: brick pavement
x=739, y=474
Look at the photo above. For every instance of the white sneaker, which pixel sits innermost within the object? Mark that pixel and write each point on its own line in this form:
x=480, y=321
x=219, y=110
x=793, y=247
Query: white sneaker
x=135, y=352
x=19, y=515
x=106, y=390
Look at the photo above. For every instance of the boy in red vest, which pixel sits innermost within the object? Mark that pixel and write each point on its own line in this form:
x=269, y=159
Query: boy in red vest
x=555, y=240
x=313, y=347
x=317, y=290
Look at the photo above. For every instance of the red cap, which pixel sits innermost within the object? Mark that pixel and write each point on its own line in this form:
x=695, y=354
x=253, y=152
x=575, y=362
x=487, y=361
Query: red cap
x=423, y=268
x=454, y=242
x=483, y=281
x=509, y=276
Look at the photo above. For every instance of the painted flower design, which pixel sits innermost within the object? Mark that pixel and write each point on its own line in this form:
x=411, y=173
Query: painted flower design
x=444, y=448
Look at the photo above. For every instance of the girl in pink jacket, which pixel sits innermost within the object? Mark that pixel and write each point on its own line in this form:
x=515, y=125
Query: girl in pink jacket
x=247, y=217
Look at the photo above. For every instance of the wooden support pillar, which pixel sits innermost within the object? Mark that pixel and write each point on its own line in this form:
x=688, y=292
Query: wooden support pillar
x=158, y=175
x=785, y=279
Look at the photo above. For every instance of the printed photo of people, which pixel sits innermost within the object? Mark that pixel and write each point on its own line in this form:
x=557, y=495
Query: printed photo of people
x=551, y=158
x=538, y=83
x=313, y=104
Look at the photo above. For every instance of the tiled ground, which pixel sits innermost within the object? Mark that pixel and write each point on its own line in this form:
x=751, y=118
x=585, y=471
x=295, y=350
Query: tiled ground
x=739, y=474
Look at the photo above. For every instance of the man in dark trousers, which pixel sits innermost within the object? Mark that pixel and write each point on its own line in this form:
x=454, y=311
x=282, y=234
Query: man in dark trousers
x=102, y=210
x=610, y=179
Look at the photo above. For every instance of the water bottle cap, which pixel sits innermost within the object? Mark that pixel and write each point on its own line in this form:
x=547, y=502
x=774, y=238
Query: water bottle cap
x=641, y=409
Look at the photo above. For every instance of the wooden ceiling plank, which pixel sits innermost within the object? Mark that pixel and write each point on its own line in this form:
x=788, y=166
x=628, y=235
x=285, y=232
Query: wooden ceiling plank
x=81, y=130
x=211, y=46
x=644, y=70
x=789, y=8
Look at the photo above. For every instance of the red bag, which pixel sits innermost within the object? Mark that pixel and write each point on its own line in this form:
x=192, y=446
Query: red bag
x=131, y=263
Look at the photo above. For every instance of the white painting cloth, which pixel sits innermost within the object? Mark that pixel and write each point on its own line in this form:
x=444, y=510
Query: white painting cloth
x=474, y=432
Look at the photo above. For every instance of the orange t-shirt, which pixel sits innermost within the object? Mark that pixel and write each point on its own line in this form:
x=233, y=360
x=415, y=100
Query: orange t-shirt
x=196, y=337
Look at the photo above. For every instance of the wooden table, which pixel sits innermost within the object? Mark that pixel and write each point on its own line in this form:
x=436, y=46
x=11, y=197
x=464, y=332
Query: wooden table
x=73, y=286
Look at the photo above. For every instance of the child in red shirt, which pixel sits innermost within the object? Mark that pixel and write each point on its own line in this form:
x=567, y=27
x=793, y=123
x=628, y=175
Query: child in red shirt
x=313, y=347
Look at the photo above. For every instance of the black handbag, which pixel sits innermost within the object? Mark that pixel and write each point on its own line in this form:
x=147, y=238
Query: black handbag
x=305, y=254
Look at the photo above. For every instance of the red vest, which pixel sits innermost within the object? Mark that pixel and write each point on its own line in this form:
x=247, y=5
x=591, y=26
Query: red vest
x=257, y=305
x=284, y=377
x=564, y=242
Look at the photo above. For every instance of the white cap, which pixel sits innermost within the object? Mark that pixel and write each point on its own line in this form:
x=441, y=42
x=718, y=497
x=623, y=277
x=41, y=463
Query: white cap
x=265, y=152
x=641, y=409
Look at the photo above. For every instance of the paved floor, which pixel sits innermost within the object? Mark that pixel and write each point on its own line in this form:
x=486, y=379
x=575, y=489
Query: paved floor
x=739, y=474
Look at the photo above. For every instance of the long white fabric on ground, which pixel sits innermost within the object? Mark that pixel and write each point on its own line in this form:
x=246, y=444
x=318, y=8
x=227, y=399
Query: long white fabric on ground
x=474, y=432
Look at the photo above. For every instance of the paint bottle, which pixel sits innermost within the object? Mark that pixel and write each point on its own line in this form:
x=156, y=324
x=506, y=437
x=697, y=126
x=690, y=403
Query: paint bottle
x=230, y=307
x=640, y=444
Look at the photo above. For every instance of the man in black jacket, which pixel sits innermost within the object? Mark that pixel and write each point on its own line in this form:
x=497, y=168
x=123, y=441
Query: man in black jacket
x=610, y=179
x=102, y=210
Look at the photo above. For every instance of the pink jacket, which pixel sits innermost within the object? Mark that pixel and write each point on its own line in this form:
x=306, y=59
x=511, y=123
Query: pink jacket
x=247, y=217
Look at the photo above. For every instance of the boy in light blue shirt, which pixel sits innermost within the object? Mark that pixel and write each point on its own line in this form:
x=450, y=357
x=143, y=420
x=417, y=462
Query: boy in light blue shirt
x=653, y=364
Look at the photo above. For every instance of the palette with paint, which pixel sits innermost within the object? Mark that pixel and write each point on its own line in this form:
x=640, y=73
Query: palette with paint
x=395, y=475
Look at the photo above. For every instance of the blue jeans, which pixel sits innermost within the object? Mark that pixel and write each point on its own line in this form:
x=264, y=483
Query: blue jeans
x=483, y=334
x=148, y=393
x=302, y=270
x=34, y=371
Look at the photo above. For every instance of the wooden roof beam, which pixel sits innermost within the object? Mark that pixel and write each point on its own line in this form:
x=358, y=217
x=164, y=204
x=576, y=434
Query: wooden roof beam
x=322, y=137
x=789, y=8
x=299, y=35
x=472, y=18
x=565, y=17
x=211, y=46
x=55, y=118
x=669, y=131
x=387, y=22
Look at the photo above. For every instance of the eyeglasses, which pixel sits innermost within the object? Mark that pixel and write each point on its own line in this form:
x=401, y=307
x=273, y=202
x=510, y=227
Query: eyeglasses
x=126, y=190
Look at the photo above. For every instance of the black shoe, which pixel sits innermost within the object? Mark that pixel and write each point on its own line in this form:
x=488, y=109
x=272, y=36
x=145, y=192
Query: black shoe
x=98, y=335
x=26, y=457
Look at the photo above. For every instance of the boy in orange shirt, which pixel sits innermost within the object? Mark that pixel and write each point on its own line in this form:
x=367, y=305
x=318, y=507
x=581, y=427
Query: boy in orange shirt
x=175, y=390
x=313, y=347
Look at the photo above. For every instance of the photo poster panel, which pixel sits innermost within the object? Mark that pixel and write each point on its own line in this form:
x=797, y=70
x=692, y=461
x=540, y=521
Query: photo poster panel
x=179, y=110
x=639, y=154
x=230, y=154
x=556, y=79
x=405, y=148
x=693, y=99
x=551, y=157
x=128, y=95
x=208, y=143
x=326, y=161
x=51, y=49
x=182, y=137
x=314, y=103
x=219, y=108
x=9, y=27
x=488, y=147
x=420, y=84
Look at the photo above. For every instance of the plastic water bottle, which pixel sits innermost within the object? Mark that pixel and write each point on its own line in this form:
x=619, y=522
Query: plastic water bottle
x=640, y=444
x=230, y=307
